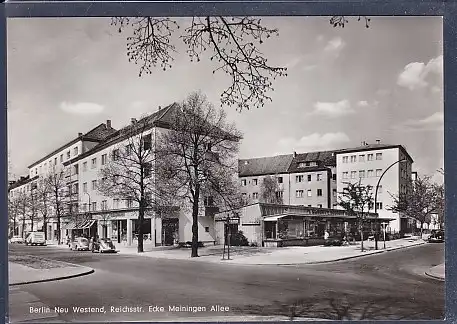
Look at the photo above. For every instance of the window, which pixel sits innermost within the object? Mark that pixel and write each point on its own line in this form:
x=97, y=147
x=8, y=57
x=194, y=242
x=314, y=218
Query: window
x=319, y=177
x=76, y=169
x=94, y=184
x=116, y=203
x=379, y=205
x=370, y=157
x=362, y=174
x=345, y=175
x=244, y=196
x=85, y=187
x=299, y=178
x=279, y=179
x=68, y=155
x=104, y=205
x=147, y=142
x=128, y=149
x=85, y=207
x=309, y=177
x=61, y=157
x=103, y=159
x=45, y=165
x=309, y=205
x=362, y=158
x=334, y=177
x=243, y=182
x=319, y=205
x=41, y=170
x=36, y=171
x=55, y=161
x=254, y=182
x=309, y=193
x=129, y=203
x=301, y=164
x=370, y=173
x=255, y=195
x=75, y=151
x=353, y=158
x=94, y=163
x=94, y=205
x=84, y=166
x=319, y=192
x=299, y=193
x=279, y=194
x=75, y=188
x=207, y=229
x=334, y=193
x=115, y=155
x=353, y=174
x=147, y=169
x=208, y=201
x=345, y=159
x=378, y=172
x=378, y=156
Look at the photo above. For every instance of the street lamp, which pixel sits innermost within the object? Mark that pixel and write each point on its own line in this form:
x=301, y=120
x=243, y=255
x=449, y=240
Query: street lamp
x=376, y=198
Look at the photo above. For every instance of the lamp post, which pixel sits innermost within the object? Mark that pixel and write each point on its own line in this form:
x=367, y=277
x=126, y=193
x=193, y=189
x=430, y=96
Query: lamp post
x=376, y=198
x=89, y=202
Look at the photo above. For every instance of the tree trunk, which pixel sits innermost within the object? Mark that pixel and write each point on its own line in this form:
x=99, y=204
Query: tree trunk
x=45, y=228
x=361, y=236
x=58, y=229
x=195, y=223
x=140, y=229
x=422, y=225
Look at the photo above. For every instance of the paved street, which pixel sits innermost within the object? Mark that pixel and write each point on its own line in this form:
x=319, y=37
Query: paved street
x=390, y=285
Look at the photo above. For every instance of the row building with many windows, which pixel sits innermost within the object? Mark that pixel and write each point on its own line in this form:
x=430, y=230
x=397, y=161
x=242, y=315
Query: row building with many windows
x=316, y=179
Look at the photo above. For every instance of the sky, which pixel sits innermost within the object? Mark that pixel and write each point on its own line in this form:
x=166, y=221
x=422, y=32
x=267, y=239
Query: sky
x=344, y=86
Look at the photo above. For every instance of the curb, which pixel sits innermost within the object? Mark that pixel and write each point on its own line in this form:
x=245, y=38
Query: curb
x=434, y=277
x=80, y=274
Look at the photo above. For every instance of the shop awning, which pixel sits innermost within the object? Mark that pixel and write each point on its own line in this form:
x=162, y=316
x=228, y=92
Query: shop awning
x=80, y=225
x=273, y=218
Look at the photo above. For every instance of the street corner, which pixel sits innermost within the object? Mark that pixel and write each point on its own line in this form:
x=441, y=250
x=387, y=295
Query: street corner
x=437, y=272
x=23, y=270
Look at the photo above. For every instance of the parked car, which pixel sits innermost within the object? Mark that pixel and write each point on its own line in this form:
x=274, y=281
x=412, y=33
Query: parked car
x=436, y=236
x=35, y=238
x=104, y=245
x=80, y=244
x=16, y=239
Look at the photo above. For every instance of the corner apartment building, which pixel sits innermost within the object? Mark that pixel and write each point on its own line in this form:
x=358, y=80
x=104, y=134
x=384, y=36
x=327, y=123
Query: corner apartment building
x=307, y=179
x=368, y=163
x=91, y=212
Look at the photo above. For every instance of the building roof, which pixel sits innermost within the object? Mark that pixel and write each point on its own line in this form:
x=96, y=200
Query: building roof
x=161, y=118
x=285, y=163
x=264, y=165
x=21, y=181
x=96, y=134
x=372, y=147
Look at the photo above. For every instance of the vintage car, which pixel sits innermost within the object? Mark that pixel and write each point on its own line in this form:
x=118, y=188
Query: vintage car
x=16, y=239
x=35, y=238
x=103, y=245
x=436, y=236
x=80, y=244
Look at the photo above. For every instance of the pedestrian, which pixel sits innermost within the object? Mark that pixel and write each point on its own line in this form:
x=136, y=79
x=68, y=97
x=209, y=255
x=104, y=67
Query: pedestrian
x=326, y=235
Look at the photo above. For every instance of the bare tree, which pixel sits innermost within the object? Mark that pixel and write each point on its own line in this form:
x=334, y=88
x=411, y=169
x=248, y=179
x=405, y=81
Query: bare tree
x=197, y=157
x=23, y=204
x=419, y=201
x=357, y=200
x=128, y=175
x=14, y=205
x=269, y=190
x=231, y=43
x=32, y=205
x=43, y=200
x=56, y=186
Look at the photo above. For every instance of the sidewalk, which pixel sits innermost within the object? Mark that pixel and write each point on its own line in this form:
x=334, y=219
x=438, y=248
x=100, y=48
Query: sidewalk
x=274, y=256
x=20, y=274
x=437, y=272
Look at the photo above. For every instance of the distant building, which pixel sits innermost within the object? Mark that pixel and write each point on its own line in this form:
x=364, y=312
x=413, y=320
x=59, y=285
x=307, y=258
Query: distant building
x=306, y=179
x=368, y=163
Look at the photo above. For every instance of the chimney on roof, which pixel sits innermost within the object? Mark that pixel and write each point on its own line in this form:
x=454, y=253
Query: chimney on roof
x=160, y=107
x=133, y=120
x=378, y=141
x=80, y=134
x=108, y=123
x=295, y=154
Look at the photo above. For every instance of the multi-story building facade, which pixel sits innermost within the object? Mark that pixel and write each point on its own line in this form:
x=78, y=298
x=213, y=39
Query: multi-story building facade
x=315, y=179
x=90, y=212
x=367, y=164
x=306, y=179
